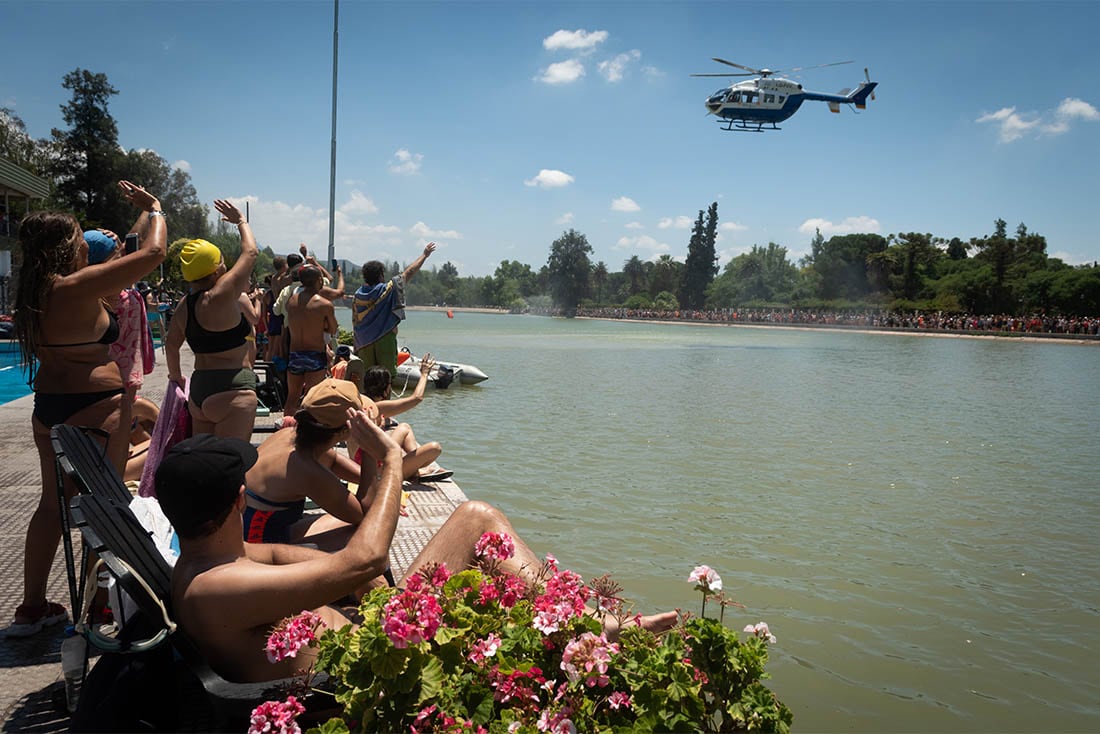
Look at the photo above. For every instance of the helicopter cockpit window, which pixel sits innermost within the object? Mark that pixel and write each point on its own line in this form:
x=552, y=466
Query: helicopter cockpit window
x=769, y=98
x=734, y=97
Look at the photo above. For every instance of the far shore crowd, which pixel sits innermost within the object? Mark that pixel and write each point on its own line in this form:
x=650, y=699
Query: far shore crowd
x=1038, y=324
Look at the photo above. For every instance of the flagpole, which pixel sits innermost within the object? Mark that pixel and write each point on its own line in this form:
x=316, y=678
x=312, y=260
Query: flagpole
x=332, y=162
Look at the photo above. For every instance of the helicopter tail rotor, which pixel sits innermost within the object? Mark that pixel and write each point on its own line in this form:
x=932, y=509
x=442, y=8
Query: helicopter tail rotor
x=867, y=76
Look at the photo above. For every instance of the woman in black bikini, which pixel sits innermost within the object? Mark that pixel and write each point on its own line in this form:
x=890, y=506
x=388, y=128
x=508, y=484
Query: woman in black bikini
x=212, y=320
x=64, y=331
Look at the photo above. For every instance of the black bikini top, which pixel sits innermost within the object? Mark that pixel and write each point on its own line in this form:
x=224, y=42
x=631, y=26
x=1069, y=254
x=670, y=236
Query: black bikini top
x=109, y=337
x=208, y=342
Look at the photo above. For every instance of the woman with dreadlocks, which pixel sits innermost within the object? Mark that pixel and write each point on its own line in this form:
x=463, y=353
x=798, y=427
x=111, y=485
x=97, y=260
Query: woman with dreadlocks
x=64, y=330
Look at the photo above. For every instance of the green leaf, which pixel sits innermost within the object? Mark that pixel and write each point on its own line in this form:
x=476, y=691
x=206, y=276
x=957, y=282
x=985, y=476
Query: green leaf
x=443, y=635
x=332, y=726
x=431, y=680
x=390, y=663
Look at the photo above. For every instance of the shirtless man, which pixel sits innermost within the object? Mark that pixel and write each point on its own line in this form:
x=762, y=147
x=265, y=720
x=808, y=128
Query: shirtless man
x=312, y=319
x=229, y=594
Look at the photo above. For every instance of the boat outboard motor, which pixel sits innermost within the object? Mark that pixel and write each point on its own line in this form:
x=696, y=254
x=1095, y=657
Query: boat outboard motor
x=444, y=376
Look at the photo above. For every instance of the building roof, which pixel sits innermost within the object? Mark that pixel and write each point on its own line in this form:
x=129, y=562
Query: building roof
x=21, y=182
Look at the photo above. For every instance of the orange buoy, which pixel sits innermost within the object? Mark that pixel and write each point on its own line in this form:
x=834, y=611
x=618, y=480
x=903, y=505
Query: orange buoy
x=450, y=314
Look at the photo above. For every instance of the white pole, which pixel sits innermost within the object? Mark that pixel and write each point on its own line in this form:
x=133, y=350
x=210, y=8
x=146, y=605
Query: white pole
x=332, y=163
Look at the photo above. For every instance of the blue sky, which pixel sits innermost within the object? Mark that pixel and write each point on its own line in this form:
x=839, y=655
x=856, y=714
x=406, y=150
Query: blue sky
x=492, y=127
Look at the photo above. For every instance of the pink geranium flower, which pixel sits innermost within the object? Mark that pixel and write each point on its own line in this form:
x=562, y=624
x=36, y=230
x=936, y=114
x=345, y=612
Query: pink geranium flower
x=275, y=717
x=495, y=546
x=486, y=648
x=587, y=657
x=760, y=629
x=706, y=579
x=411, y=617
x=620, y=699
x=291, y=635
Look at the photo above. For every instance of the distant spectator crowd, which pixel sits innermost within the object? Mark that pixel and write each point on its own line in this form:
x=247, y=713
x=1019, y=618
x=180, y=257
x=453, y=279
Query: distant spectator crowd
x=917, y=320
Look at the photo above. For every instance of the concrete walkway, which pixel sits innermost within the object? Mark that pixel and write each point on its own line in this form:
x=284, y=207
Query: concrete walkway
x=31, y=688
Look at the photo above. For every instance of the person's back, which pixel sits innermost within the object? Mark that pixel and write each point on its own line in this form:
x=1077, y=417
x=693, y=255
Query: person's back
x=311, y=318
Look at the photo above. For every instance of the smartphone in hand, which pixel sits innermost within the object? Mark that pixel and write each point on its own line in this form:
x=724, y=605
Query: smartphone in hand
x=131, y=243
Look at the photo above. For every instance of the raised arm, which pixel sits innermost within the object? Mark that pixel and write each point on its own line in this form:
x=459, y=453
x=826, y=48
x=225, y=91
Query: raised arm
x=239, y=276
x=391, y=408
x=338, y=292
x=261, y=593
x=108, y=278
x=418, y=263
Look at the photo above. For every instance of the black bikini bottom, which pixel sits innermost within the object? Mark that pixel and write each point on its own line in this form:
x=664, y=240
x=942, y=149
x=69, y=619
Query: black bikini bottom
x=205, y=383
x=52, y=408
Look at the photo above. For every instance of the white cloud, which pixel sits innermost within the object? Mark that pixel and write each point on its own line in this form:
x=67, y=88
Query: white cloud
x=405, y=163
x=1012, y=125
x=566, y=218
x=652, y=73
x=732, y=227
x=549, y=178
x=578, y=40
x=358, y=203
x=644, y=243
x=281, y=226
x=634, y=225
x=1073, y=107
x=680, y=222
x=182, y=165
x=613, y=69
x=625, y=204
x=849, y=225
x=563, y=72
x=425, y=232
x=1072, y=258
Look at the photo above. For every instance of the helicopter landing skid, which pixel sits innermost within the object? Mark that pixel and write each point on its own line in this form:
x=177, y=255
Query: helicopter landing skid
x=757, y=127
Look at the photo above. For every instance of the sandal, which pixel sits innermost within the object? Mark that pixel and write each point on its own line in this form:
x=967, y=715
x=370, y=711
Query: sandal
x=35, y=618
x=435, y=476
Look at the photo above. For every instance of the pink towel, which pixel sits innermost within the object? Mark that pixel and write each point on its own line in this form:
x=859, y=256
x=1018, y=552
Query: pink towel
x=172, y=426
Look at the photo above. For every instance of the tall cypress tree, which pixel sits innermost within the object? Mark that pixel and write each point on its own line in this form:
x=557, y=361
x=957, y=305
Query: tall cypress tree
x=702, y=263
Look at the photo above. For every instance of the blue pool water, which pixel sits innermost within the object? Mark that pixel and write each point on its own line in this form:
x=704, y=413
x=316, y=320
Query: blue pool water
x=13, y=378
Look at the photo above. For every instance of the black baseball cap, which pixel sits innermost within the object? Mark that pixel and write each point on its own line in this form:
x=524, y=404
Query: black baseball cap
x=199, y=479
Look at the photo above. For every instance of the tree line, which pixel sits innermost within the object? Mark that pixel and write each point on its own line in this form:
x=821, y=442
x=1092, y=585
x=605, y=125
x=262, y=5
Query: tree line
x=997, y=273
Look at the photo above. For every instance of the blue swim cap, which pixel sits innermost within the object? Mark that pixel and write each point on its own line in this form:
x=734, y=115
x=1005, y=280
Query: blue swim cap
x=100, y=246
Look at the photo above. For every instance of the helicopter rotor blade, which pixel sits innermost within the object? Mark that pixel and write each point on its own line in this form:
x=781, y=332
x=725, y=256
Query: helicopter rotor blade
x=739, y=66
x=724, y=75
x=818, y=66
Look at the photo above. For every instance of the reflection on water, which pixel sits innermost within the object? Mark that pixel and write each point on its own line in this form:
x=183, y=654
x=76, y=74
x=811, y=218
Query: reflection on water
x=914, y=517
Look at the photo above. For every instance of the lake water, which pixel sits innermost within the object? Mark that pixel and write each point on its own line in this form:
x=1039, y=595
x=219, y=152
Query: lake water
x=916, y=518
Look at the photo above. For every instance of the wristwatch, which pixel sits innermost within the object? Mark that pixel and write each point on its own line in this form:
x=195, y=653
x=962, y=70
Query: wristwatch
x=157, y=213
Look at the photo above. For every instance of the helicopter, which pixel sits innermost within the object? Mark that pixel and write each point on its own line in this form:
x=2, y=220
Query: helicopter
x=757, y=103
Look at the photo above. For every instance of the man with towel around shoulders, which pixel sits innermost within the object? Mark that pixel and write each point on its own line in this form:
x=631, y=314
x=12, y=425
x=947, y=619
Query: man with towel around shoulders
x=378, y=307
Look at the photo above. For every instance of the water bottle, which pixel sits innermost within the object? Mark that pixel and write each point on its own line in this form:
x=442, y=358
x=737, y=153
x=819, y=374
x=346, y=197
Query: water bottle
x=74, y=649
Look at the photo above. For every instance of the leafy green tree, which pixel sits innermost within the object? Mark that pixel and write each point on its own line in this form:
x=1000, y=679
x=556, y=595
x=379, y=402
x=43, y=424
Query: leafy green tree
x=841, y=263
x=173, y=188
x=569, y=269
x=666, y=301
x=956, y=249
x=764, y=275
x=665, y=276
x=634, y=270
x=19, y=147
x=916, y=254
x=86, y=167
x=702, y=264
x=599, y=279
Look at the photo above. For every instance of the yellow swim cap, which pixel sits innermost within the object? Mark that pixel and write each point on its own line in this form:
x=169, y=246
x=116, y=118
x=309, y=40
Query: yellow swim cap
x=199, y=259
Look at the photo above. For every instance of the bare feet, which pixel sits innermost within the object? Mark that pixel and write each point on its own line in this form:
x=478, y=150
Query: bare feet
x=655, y=623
